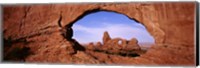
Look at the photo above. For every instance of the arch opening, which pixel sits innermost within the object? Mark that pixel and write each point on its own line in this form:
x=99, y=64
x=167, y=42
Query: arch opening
x=117, y=25
x=130, y=35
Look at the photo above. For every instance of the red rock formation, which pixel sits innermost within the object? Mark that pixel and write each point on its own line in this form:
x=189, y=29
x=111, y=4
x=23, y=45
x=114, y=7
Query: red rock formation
x=120, y=46
x=132, y=45
x=98, y=44
x=116, y=43
x=106, y=37
x=170, y=23
x=90, y=46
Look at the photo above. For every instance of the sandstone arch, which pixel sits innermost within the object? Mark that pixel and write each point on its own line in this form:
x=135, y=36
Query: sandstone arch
x=170, y=23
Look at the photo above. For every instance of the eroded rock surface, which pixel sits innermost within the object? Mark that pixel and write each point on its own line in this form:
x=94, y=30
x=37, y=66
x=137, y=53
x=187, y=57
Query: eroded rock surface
x=38, y=27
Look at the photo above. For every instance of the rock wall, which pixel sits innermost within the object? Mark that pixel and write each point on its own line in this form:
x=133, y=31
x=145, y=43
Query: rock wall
x=170, y=23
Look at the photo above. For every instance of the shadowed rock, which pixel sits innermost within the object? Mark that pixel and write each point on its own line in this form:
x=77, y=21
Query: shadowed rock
x=77, y=46
x=67, y=32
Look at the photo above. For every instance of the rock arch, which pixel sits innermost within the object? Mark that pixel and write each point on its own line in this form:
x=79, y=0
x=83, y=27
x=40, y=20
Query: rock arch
x=170, y=23
x=152, y=27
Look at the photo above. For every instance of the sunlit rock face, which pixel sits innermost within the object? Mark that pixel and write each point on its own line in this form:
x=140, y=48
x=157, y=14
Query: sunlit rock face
x=37, y=27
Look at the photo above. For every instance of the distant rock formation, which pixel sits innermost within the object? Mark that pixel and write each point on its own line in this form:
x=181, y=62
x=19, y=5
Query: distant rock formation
x=114, y=43
x=106, y=37
x=90, y=46
x=98, y=44
x=132, y=45
x=118, y=45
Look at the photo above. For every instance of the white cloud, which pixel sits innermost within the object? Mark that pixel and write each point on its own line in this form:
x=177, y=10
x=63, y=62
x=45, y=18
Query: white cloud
x=115, y=30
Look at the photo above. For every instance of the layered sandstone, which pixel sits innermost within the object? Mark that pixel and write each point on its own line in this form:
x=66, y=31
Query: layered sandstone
x=39, y=27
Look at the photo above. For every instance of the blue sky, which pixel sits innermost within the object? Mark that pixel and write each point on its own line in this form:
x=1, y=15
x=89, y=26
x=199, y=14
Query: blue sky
x=92, y=26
